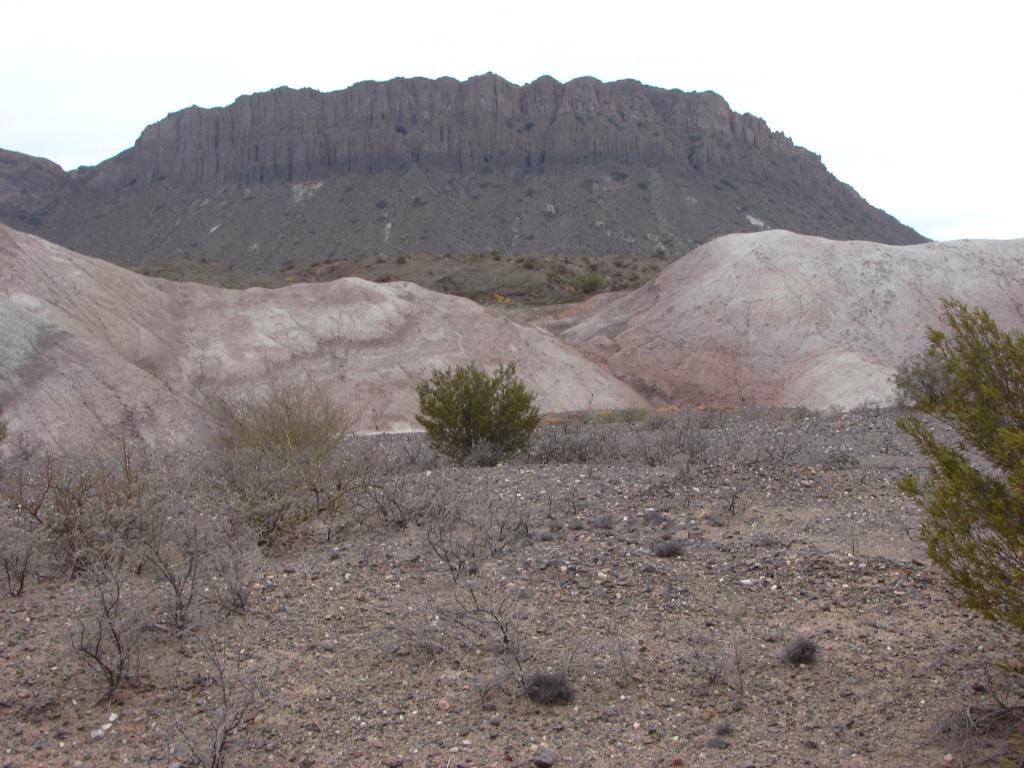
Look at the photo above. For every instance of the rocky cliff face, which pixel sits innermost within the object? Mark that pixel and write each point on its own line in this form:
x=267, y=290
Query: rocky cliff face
x=439, y=167
x=484, y=123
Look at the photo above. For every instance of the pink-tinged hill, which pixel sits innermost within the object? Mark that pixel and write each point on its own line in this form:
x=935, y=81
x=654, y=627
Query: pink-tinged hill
x=85, y=341
x=776, y=318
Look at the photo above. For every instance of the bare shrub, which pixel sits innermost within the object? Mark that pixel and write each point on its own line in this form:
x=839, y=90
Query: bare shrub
x=236, y=567
x=495, y=682
x=283, y=467
x=73, y=511
x=89, y=508
x=90, y=512
x=229, y=701
x=658, y=420
x=397, y=500
x=483, y=608
x=415, y=452
x=176, y=544
x=624, y=664
x=276, y=499
x=655, y=448
x=726, y=447
x=27, y=481
x=839, y=458
x=287, y=422
x=20, y=518
x=740, y=662
x=463, y=538
x=711, y=418
x=573, y=440
x=778, y=414
x=72, y=518
x=679, y=436
x=488, y=612
x=734, y=504
x=776, y=447
x=109, y=632
x=996, y=718
x=707, y=659
x=19, y=541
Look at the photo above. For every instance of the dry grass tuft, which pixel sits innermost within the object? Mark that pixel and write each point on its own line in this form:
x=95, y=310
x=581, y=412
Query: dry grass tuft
x=288, y=421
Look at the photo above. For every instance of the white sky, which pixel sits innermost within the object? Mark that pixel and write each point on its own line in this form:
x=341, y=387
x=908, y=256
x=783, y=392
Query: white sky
x=918, y=105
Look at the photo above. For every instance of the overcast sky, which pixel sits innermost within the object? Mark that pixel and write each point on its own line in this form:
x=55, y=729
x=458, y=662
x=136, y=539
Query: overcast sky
x=918, y=105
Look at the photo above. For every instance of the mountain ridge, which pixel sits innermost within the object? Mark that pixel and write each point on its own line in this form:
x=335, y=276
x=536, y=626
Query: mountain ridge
x=425, y=168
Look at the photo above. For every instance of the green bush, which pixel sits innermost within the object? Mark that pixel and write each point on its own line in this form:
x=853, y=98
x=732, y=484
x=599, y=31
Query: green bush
x=465, y=411
x=921, y=381
x=974, y=511
x=589, y=282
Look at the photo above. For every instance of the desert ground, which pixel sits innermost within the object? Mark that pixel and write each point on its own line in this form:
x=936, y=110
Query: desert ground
x=698, y=588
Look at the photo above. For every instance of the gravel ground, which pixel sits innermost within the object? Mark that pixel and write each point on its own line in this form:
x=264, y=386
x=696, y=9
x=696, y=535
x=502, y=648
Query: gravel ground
x=404, y=640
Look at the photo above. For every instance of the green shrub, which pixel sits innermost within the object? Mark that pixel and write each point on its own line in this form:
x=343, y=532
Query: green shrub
x=589, y=282
x=921, y=381
x=974, y=515
x=463, y=407
x=3, y=425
